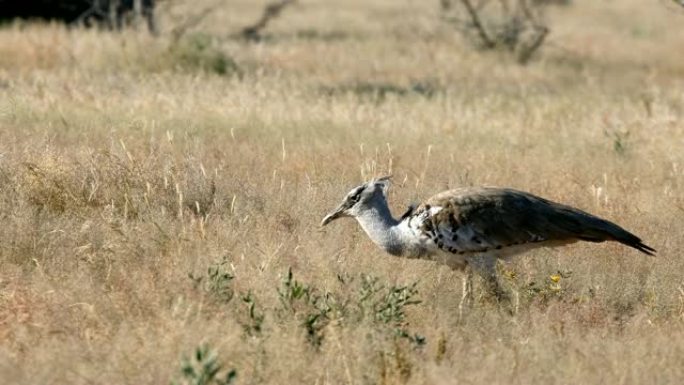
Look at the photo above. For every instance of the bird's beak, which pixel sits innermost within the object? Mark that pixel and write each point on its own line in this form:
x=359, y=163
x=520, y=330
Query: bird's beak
x=337, y=213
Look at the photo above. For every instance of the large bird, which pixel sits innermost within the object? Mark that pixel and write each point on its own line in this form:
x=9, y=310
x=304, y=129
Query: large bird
x=472, y=227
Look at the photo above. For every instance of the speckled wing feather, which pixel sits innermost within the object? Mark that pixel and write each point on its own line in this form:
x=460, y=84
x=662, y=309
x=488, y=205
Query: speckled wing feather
x=483, y=219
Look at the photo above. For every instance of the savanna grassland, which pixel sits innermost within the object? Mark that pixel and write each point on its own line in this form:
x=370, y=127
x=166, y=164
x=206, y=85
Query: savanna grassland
x=160, y=198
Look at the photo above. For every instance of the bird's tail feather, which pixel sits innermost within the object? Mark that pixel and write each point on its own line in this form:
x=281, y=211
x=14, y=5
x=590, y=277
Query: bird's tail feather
x=596, y=229
x=644, y=248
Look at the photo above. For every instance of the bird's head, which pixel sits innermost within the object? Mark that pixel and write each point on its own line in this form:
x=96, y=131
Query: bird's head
x=359, y=199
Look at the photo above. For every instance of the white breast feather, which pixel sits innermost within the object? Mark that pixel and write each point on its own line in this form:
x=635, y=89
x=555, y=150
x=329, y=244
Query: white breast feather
x=463, y=239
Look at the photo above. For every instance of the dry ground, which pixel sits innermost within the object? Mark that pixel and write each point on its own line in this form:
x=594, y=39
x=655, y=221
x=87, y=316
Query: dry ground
x=149, y=205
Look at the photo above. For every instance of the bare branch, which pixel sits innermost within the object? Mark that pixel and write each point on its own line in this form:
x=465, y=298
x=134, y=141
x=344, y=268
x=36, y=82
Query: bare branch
x=518, y=26
x=527, y=12
x=475, y=19
x=271, y=11
x=112, y=13
x=178, y=31
x=541, y=31
x=527, y=50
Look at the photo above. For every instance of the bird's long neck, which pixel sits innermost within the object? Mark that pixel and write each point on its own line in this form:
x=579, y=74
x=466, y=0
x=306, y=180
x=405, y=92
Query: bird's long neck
x=381, y=227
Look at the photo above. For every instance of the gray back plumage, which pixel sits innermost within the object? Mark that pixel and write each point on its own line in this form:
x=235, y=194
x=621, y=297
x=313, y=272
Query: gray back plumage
x=486, y=218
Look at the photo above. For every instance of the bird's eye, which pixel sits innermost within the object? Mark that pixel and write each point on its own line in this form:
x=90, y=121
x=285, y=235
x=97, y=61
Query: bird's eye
x=355, y=198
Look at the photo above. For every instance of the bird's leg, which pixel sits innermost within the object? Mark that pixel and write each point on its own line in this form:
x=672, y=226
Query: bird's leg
x=494, y=288
x=467, y=294
x=485, y=266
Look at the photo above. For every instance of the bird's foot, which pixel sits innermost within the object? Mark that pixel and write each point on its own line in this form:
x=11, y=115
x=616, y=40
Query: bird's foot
x=496, y=294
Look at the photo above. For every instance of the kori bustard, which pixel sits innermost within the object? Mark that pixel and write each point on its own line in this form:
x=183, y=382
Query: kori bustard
x=472, y=227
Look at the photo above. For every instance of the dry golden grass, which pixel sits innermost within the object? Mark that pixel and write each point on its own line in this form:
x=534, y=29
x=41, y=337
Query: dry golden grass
x=126, y=166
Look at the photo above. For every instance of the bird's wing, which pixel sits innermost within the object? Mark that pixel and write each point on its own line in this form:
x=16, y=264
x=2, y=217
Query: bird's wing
x=484, y=219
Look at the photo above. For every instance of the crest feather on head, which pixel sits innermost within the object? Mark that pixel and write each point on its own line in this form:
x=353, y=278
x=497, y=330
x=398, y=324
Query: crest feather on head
x=384, y=181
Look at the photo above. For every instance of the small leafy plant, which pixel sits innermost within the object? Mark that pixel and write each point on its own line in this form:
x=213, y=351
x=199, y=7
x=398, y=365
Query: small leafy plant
x=204, y=368
x=216, y=282
x=384, y=306
x=620, y=141
x=254, y=325
x=308, y=305
x=388, y=305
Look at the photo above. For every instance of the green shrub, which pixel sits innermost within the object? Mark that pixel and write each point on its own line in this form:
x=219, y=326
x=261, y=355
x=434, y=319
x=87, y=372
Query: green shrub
x=204, y=368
